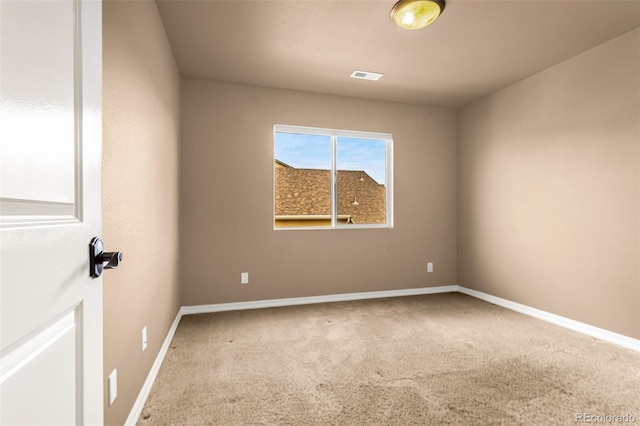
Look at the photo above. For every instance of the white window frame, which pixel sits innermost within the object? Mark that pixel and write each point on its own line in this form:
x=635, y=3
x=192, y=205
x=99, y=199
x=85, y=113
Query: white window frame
x=334, y=134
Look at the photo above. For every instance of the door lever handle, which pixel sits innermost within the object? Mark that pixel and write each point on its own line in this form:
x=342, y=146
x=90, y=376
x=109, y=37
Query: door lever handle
x=99, y=259
x=111, y=260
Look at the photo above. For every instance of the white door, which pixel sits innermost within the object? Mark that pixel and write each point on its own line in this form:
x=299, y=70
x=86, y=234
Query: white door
x=50, y=208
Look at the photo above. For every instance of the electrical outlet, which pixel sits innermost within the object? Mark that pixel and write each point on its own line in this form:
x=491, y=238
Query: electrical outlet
x=113, y=386
x=429, y=267
x=144, y=338
x=244, y=278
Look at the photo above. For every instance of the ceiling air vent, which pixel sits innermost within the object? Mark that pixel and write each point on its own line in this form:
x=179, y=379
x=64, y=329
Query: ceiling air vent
x=366, y=75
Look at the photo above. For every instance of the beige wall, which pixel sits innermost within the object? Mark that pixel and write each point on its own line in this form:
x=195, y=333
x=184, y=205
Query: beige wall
x=227, y=198
x=141, y=97
x=549, y=189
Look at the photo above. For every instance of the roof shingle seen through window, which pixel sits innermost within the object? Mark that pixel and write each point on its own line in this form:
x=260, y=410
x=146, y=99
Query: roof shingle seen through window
x=308, y=192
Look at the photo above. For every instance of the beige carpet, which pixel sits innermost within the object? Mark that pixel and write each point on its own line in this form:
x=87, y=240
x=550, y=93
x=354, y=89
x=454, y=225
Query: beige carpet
x=420, y=360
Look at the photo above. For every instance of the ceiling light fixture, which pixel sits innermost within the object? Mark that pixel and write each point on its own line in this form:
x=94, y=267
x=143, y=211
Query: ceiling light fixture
x=416, y=14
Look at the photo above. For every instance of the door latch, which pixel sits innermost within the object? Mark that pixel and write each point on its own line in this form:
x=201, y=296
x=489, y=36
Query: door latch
x=99, y=260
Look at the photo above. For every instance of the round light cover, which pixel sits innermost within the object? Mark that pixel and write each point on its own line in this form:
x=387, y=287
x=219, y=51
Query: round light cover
x=416, y=14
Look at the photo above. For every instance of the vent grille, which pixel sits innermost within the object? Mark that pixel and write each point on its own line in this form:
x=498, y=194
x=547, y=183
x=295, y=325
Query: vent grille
x=366, y=75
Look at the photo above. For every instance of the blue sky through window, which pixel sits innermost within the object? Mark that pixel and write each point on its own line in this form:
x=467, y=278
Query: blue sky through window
x=314, y=152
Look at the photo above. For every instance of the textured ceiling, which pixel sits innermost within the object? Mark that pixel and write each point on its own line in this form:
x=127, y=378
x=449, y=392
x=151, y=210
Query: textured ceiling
x=475, y=48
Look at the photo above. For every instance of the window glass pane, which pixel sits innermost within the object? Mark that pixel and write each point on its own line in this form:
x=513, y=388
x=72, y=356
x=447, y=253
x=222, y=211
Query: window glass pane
x=302, y=180
x=361, y=190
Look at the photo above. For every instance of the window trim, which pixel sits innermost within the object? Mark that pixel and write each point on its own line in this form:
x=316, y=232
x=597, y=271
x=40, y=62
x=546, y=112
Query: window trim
x=334, y=134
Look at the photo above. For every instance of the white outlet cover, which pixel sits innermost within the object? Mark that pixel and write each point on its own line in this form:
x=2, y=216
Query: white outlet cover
x=113, y=386
x=429, y=267
x=244, y=278
x=144, y=338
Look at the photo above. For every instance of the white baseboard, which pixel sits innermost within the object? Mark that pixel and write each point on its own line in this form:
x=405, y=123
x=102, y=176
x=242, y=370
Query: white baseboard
x=136, y=410
x=272, y=303
x=589, y=330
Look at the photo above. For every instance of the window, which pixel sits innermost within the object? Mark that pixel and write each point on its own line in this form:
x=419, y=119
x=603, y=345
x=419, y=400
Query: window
x=327, y=178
